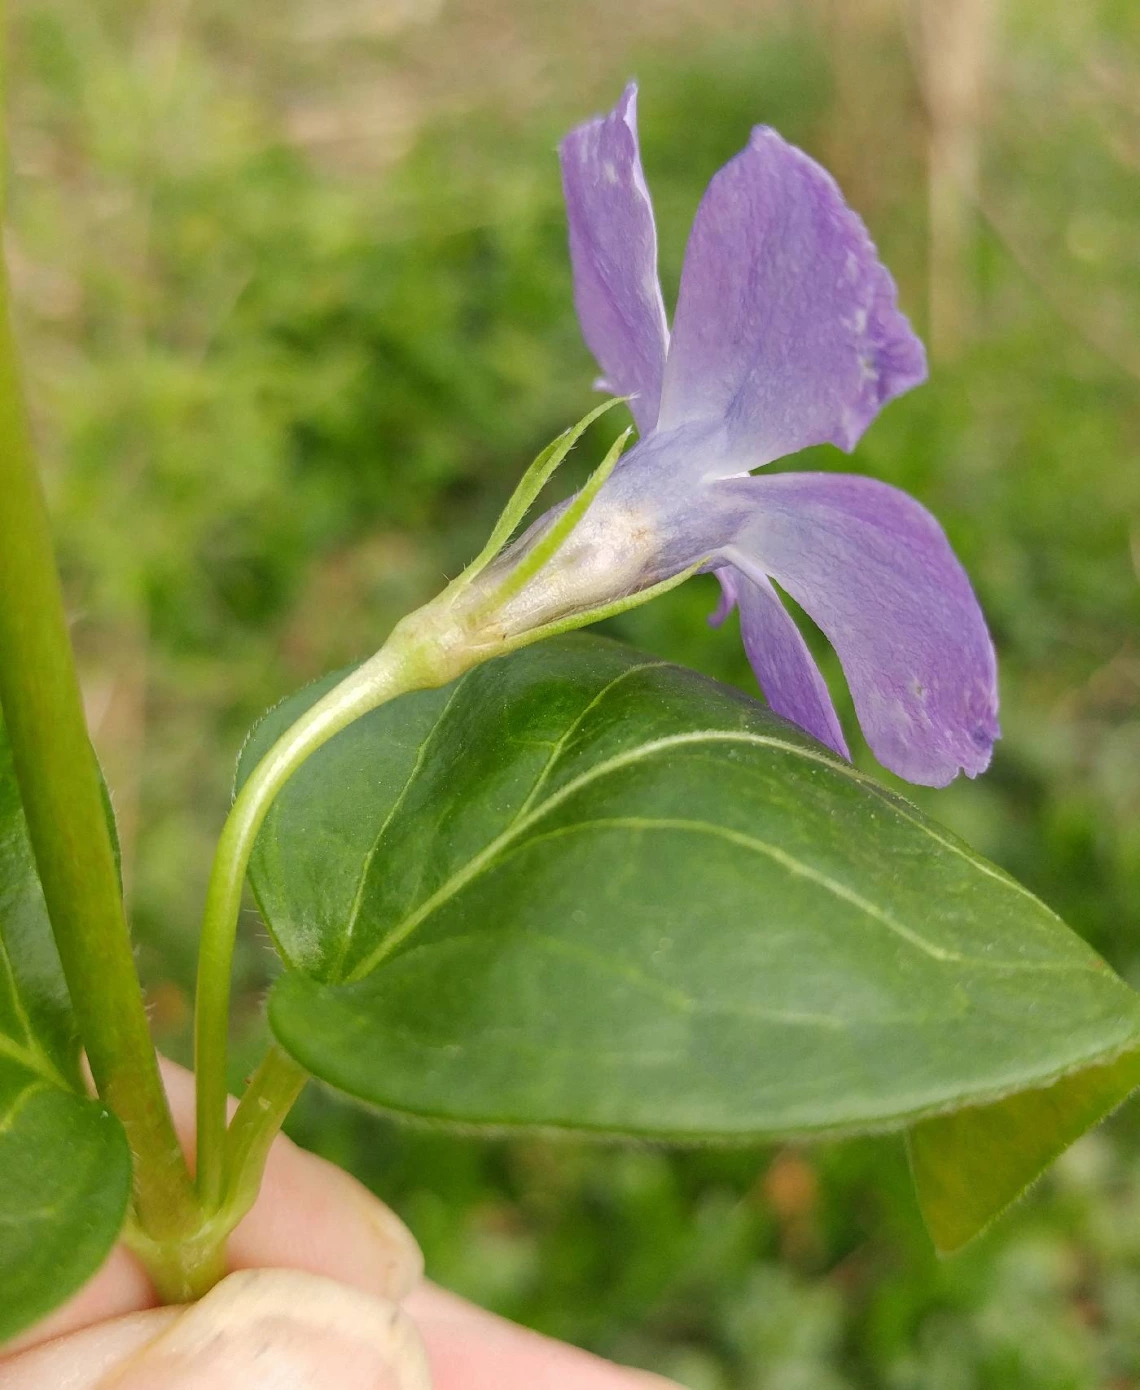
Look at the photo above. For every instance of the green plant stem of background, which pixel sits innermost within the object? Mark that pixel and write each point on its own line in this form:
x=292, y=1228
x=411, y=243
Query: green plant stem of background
x=180, y=1238
x=63, y=803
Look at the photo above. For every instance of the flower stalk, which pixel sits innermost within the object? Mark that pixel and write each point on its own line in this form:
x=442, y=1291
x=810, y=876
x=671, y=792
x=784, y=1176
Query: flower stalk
x=398, y=667
x=426, y=649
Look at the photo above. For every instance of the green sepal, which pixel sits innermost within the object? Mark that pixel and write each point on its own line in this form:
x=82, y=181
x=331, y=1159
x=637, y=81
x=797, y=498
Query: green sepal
x=545, y=465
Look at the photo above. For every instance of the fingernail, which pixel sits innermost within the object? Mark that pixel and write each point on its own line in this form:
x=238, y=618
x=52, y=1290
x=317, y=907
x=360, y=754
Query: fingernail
x=401, y=1261
x=270, y=1329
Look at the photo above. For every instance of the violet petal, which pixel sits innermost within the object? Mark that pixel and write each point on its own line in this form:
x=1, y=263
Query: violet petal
x=729, y=580
x=786, y=670
x=786, y=327
x=874, y=569
x=613, y=249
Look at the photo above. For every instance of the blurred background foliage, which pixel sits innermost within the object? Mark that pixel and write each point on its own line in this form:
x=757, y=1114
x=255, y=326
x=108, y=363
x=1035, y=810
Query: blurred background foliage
x=294, y=296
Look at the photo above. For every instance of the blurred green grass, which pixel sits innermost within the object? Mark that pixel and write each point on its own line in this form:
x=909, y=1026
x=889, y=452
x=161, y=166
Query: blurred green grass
x=295, y=301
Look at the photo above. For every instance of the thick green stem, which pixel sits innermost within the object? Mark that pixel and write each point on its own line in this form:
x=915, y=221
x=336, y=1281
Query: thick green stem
x=186, y=1268
x=182, y=1268
x=63, y=803
x=397, y=668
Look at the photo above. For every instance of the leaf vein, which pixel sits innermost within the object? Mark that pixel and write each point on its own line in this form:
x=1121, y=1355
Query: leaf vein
x=558, y=748
x=501, y=843
x=374, y=848
x=802, y=870
x=19, y=1103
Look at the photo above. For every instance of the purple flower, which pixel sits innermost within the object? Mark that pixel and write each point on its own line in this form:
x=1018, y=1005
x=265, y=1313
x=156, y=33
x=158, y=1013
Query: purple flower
x=787, y=334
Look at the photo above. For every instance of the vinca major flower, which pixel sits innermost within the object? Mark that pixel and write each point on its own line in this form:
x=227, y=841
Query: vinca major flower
x=786, y=334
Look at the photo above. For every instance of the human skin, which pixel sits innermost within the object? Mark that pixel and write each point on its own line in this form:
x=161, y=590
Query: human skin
x=325, y=1290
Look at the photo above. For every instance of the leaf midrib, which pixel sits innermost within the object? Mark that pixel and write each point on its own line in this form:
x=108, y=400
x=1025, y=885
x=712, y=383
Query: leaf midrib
x=401, y=797
x=8, y=1118
x=557, y=749
x=572, y=728
x=802, y=870
x=29, y=1053
x=35, y=1060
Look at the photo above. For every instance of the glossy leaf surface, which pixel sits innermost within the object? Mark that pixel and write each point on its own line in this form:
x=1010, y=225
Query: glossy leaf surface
x=585, y=889
x=65, y=1168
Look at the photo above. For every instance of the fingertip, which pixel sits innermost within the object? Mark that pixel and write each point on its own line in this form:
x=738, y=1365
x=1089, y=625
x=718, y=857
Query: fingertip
x=313, y=1216
x=470, y=1349
x=119, y=1287
x=83, y=1359
x=271, y=1328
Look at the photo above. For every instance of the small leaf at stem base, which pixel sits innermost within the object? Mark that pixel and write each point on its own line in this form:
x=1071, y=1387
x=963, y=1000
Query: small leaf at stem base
x=65, y=1168
x=65, y=1179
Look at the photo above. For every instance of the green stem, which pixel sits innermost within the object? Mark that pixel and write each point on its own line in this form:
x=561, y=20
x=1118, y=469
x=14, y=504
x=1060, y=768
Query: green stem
x=397, y=668
x=181, y=1269
x=63, y=803
x=188, y=1267
x=270, y=1095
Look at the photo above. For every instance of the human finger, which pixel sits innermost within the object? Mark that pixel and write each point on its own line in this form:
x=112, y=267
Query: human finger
x=265, y=1329
x=470, y=1349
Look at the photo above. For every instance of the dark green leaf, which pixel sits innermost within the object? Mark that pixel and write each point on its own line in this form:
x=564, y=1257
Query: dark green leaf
x=585, y=889
x=65, y=1169
x=65, y=1177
